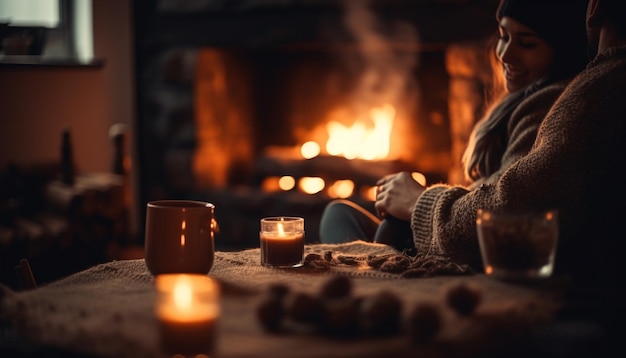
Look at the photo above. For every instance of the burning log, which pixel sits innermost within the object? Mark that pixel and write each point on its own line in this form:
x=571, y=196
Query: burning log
x=363, y=172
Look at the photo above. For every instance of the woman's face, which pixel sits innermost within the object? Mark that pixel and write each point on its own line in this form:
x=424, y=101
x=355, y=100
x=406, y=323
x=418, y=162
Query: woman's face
x=525, y=56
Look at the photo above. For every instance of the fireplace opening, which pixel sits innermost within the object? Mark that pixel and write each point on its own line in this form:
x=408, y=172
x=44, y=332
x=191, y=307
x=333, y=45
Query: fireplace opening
x=284, y=128
x=259, y=110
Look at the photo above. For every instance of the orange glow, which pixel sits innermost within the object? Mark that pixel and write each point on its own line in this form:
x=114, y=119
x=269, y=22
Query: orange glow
x=360, y=140
x=186, y=298
x=271, y=184
x=419, y=177
x=182, y=295
x=286, y=182
x=341, y=189
x=311, y=185
x=310, y=150
x=369, y=193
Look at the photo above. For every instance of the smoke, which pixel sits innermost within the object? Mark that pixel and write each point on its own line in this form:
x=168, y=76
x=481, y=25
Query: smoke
x=386, y=55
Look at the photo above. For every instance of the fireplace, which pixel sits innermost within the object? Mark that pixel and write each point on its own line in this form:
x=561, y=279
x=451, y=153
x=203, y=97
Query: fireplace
x=277, y=109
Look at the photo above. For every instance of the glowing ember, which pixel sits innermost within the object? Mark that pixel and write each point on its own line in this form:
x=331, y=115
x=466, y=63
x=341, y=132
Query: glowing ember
x=286, y=182
x=310, y=150
x=311, y=185
x=341, y=189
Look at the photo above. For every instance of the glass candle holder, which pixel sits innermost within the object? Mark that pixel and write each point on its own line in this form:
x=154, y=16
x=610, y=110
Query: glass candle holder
x=282, y=241
x=518, y=246
x=187, y=309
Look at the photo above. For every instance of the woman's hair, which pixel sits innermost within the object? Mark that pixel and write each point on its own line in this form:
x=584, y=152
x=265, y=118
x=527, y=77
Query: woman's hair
x=561, y=23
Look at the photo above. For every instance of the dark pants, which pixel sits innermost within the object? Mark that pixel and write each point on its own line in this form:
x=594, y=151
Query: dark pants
x=345, y=221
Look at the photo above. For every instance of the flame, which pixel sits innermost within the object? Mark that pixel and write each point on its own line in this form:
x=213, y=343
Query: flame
x=368, y=140
x=311, y=185
x=182, y=294
x=310, y=150
x=286, y=182
x=273, y=184
x=341, y=189
x=359, y=141
x=281, y=229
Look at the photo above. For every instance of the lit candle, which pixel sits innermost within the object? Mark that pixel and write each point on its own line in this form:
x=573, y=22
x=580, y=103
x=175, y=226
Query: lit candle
x=187, y=309
x=282, y=241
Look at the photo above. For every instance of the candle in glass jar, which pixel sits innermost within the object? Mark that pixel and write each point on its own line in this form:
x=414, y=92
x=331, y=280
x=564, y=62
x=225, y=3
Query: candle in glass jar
x=187, y=309
x=282, y=241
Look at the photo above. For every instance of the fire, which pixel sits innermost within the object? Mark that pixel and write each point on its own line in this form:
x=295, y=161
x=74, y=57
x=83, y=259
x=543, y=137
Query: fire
x=359, y=140
x=311, y=185
x=284, y=183
x=341, y=189
x=310, y=150
x=367, y=140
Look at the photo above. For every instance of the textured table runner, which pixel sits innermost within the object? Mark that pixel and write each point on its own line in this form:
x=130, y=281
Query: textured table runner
x=107, y=310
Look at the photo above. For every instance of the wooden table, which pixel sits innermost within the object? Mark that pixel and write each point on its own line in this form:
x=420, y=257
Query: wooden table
x=108, y=311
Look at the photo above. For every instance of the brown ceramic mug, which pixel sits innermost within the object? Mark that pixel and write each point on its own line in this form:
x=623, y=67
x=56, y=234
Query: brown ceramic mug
x=179, y=236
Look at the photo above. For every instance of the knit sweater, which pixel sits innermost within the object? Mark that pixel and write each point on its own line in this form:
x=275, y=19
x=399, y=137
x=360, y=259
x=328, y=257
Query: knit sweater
x=523, y=124
x=576, y=165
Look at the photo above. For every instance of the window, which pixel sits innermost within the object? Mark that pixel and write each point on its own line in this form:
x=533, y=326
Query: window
x=30, y=12
x=57, y=29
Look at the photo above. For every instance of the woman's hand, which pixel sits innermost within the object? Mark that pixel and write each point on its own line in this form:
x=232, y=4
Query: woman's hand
x=396, y=195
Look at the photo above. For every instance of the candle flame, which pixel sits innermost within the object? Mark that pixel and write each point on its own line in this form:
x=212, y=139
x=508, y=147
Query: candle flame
x=186, y=297
x=182, y=293
x=281, y=229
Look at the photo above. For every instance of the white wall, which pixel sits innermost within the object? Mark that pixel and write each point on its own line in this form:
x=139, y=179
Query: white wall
x=37, y=103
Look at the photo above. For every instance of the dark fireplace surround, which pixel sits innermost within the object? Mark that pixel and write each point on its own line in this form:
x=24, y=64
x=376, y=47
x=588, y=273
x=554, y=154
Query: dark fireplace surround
x=221, y=85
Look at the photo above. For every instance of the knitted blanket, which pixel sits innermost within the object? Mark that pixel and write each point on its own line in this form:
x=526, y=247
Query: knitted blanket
x=108, y=310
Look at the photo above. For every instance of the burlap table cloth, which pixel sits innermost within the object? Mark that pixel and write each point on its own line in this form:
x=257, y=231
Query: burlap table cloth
x=107, y=311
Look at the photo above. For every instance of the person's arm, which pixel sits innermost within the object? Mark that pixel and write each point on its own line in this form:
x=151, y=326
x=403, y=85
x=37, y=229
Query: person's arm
x=526, y=119
x=523, y=125
x=443, y=220
x=578, y=144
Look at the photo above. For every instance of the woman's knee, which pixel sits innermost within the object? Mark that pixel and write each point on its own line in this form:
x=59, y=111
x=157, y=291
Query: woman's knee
x=338, y=209
x=344, y=221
